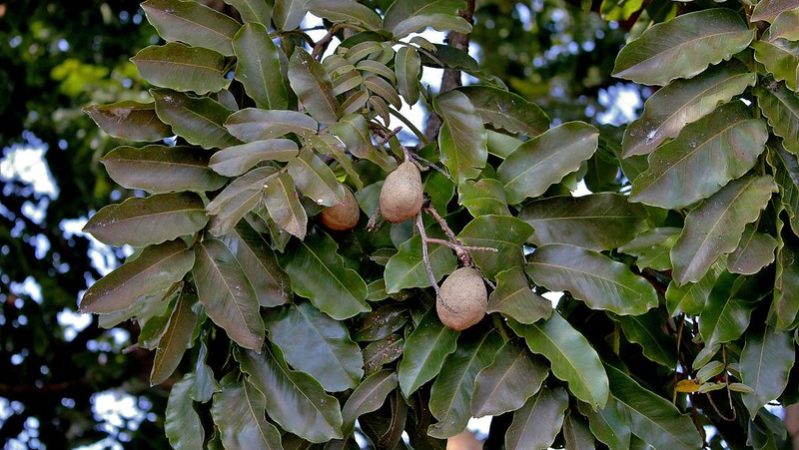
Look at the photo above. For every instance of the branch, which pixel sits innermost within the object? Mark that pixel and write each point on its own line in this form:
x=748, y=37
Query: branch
x=426, y=255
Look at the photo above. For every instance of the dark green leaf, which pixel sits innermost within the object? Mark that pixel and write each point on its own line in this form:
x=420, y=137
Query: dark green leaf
x=768, y=10
x=315, y=179
x=368, y=397
x=406, y=268
x=238, y=159
x=781, y=107
x=483, y=197
x=514, y=298
x=647, y=330
x=781, y=58
x=192, y=23
x=785, y=305
x=348, y=11
x=239, y=414
x=690, y=298
x=258, y=67
x=284, y=207
x=610, y=425
x=408, y=69
x=182, y=68
x=252, y=124
x=786, y=174
x=404, y=17
x=381, y=322
x=504, y=234
x=198, y=120
x=538, y=423
x=313, y=87
x=253, y=11
x=506, y=110
x=506, y=384
x=241, y=196
x=288, y=14
x=755, y=251
x=176, y=339
x=462, y=139
x=425, y=352
x=652, y=247
x=129, y=120
x=576, y=433
x=765, y=362
x=724, y=318
x=381, y=352
x=181, y=416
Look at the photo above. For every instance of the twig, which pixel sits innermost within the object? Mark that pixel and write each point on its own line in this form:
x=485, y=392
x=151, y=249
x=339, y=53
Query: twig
x=460, y=249
x=425, y=255
x=422, y=138
x=387, y=137
x=320, y=47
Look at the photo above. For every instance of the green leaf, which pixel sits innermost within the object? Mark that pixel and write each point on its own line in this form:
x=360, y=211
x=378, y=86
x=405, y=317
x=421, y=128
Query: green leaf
x=424, y=353
x=571, y=357
x=652, y=247
x=284, y=207
x=597, y=222
x=483, y=197
x=381, y=323
x=786, y=24
x=546, y=159
x=198, y=120
x=781, y=58
x=348, y=11
x=451, y=394
x=159, y=169
x=192, y=23
x=514, y=298
x=765, y=362
x=204, y=383
x=315, y=179
x=714, y=228
x=319, y=274
x=505, y=234
x=151, y=220
x=252, y=124
x=506, y=110
x=294, y=399
x=327, y=353
x=703, y=158
x=669, y=109
x=331, y=146
x=462, y=139
x=288, y=14
x=129, y=120
x=382, y=352
x=157, y=268
x=646, y=330
x=313, y=87
x=236, y=160
x=369, y=396
x=182, y=68
x=239, y=414
x=755, y=251
x=353, y=130
x=683, y=47
x=599, y=281
x=690, y=298
x=258, y=67
x=610, y=425
x=652, y=418
x=576, y=433
x=538, y=423
x=506, y=384
x=271, y=284
x=227, y=295
x=241, y=196
x=725, y=317
x=768, y=10
x=383, y=88
x=176, y=339
x=408, y=69
x=404, y=17
x=781, y=107
x=253, y=11
x=181, y=416
x=786, y=174
x=406, y=269
x=785, y=305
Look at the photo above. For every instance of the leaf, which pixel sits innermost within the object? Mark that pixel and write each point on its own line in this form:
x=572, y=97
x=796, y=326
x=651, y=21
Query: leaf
x=755, y=251
x=294, y=399
x=610, y=425
x=424, y=352
x=506, y=384
x=236, y=160
x=331, y=146
x=319, y=274
x=571, y=357
x=408, y=69
x=252, y=124
x=598, y=222
x=151, y=220
x=159, y=169
x=259, y=263
x=241, y=196
x=538, y=423
x=382, y=352
x=505, y=234
x=725, y=317
x=348, y=11
x=313, y=87
x=327, y=353
x=381, y=323
x=683, y=47
x=703, y=158
x=780, y=57
x=653, y=418
x=129, y=120
x=451, y=394
x=646, y=330
x=383, y=88
x=652, y=247
x=369, y=396
x=181, y=416
x=288, y=14
x=176, y=339
x=765, y=362
x=157, y=268
x=506, y=110
x=714, y=228
x=592, y=277
x=204, y=383
x=576, y=433
x=514, y=298
x=546, y=159
x=786, y=24
x=253, y=11
x=239, y=414
x=192, y=23
x=786, y=173
x=198, y=120
x=353, y=130
x=315, y=179
x=785, y=305
x=404, y=17
x=781, y=107
x=258, y=67
x=768, y=10
x=483, y=197
x=682, y=102
x=690, y=298
x=405, y=269
x=462, y=139
x=182, y=68
x=284, y=207
x=227, y=295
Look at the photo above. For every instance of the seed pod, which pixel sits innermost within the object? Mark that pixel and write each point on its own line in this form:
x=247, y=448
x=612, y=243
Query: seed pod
x=402, y=194
x=343, y=216
x=463, y=299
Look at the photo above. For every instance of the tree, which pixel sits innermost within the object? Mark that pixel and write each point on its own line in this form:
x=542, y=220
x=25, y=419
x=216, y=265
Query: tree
x=677, y=272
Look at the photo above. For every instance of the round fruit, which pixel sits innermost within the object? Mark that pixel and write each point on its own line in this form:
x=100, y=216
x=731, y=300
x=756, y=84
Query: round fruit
x=463, y=299
x=402, y=194
x=343, y=216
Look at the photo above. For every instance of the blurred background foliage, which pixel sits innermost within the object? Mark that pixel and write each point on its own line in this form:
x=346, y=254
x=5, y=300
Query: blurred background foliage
x=65, y=382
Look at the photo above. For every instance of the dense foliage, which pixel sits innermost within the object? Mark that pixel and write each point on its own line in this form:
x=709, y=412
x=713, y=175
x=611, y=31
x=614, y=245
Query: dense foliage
x=678, y=269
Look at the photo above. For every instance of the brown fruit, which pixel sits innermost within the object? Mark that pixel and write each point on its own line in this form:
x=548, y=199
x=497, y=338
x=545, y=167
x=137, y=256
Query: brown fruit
x=463, y=299
x=343, y=216
x=402, y=194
